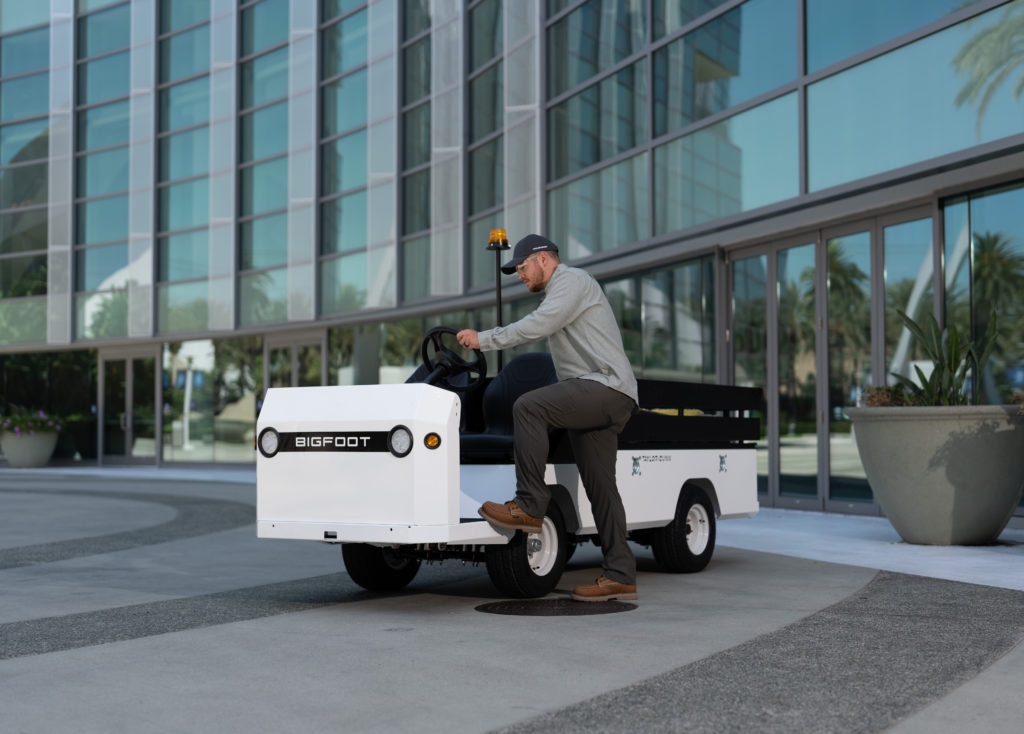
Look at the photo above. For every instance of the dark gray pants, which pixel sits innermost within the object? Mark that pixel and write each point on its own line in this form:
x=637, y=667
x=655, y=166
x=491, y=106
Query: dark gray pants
x=593, y=415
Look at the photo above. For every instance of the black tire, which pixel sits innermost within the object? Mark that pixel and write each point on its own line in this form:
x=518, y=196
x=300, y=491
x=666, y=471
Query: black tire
x=378, y=569
x=686, y=544
x=521, y=569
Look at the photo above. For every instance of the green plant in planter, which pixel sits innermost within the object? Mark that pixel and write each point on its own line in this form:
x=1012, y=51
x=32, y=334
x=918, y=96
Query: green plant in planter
x=29, y=422
x=953, y=357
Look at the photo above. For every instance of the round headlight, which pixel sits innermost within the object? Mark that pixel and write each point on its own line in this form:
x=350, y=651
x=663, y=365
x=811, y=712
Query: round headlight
x=269, y=442
x=400, y=441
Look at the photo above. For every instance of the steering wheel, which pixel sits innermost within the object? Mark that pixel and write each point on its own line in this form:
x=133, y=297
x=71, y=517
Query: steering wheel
x=444, y=363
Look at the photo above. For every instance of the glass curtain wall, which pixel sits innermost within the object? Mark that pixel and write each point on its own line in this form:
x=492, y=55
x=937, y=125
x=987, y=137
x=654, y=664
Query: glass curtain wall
x=415, y=149
x=263, y=163
x=865, y=23
x=59, y=383
x=667, y=320
x=523, y=92
x=183, y=166
x=597, y=110
x=723, y=136
x=102, y=265
x=778, y=333
x=984, y=254
x=344, y=211
x=447, y=154
x=958, y=98
x=909, y=277
x=24, y=147
x=382, y=165
x=486, y=152
x=211, y=391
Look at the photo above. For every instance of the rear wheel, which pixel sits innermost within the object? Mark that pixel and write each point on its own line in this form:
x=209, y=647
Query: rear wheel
x=531, y=564
x=378, y=569
x=686, y=544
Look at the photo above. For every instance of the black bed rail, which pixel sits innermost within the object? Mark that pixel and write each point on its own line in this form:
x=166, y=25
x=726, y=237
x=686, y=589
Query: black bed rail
x=673, y=413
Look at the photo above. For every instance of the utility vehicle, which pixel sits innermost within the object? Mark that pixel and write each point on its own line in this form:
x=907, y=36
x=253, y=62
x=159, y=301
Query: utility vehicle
x=395, y=474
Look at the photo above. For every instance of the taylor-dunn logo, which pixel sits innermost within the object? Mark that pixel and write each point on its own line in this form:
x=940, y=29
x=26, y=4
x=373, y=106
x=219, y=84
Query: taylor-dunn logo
x=637, y=460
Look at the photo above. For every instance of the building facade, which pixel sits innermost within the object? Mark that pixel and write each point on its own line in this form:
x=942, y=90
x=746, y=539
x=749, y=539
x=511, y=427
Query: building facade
x=200, y=199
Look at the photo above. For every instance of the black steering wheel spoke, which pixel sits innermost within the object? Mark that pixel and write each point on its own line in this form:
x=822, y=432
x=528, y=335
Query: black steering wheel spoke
x=437, y=355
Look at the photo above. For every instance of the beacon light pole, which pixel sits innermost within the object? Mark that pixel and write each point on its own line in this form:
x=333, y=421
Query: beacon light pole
x=497, y=242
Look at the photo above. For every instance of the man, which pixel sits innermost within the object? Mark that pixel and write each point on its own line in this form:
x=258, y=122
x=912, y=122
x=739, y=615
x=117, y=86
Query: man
x=594, y=397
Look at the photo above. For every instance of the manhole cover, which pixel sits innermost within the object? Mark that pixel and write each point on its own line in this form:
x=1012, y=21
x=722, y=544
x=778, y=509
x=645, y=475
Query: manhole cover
x=553, y=607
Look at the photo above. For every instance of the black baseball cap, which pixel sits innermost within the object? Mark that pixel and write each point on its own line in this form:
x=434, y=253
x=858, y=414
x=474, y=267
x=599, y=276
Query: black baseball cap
x=525, y=247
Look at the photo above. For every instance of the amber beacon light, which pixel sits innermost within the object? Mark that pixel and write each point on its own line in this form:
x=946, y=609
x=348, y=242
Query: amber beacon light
x=497, y=241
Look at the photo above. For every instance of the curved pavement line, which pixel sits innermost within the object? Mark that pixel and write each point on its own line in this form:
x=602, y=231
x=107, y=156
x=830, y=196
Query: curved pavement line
x=84, y=629
x=195, y=516
x=861, y=665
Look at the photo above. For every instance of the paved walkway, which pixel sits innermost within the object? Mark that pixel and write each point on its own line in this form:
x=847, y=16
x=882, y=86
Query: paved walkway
x=140, y=600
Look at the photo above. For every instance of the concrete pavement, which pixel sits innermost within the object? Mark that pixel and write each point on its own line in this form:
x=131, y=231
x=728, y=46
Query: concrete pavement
x=140, y=600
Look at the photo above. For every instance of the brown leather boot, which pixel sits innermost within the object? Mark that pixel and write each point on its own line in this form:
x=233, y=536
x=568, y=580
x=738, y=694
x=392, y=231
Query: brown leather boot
x=510, y=516
x=604, y=589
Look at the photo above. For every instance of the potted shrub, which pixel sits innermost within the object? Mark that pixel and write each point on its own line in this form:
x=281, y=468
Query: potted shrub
x=944, y=472
x=27, y=438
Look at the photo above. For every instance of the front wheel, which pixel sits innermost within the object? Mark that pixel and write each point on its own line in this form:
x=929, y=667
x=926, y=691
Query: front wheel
x=531, y=564
x=686, y=544
x=378, y=569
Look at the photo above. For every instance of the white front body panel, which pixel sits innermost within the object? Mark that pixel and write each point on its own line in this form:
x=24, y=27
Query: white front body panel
x=361, y=487
x=427, y=497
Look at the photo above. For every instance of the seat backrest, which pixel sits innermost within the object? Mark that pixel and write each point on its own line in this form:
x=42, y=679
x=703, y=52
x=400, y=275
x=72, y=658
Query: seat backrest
x=522, y=374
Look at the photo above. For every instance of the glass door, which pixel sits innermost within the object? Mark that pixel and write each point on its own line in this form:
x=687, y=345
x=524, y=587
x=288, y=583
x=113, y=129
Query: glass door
x=797, y=373
x=813, y=322
x=848, y=290
x=749, y=344
x=128, y=394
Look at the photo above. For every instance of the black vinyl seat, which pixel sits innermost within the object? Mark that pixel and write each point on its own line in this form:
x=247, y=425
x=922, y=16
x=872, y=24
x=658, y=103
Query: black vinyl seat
x=522, y=374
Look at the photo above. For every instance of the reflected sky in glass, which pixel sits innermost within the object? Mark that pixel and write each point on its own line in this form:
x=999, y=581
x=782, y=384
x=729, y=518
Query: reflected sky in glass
x=25, y=142
x=102, y=126
x=182, y=307
x=263, y=296
x=746, y=52
x=103, y=220
x=850, y=117
x=343, y=283
x=865, y=23
x=728, y=167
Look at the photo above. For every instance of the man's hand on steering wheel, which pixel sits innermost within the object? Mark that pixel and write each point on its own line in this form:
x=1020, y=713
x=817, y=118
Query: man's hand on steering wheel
x=469, y=338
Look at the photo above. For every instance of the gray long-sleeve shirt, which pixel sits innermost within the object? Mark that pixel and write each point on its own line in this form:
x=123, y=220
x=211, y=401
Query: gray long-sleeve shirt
x=581, y=330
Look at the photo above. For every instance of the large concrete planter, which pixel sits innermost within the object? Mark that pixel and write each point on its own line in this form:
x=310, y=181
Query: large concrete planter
x=943, y=476
x=25, y=450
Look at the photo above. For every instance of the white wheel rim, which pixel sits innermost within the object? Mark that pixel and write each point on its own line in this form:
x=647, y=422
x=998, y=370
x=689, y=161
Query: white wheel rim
x=698, y=530
x=542, y=548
